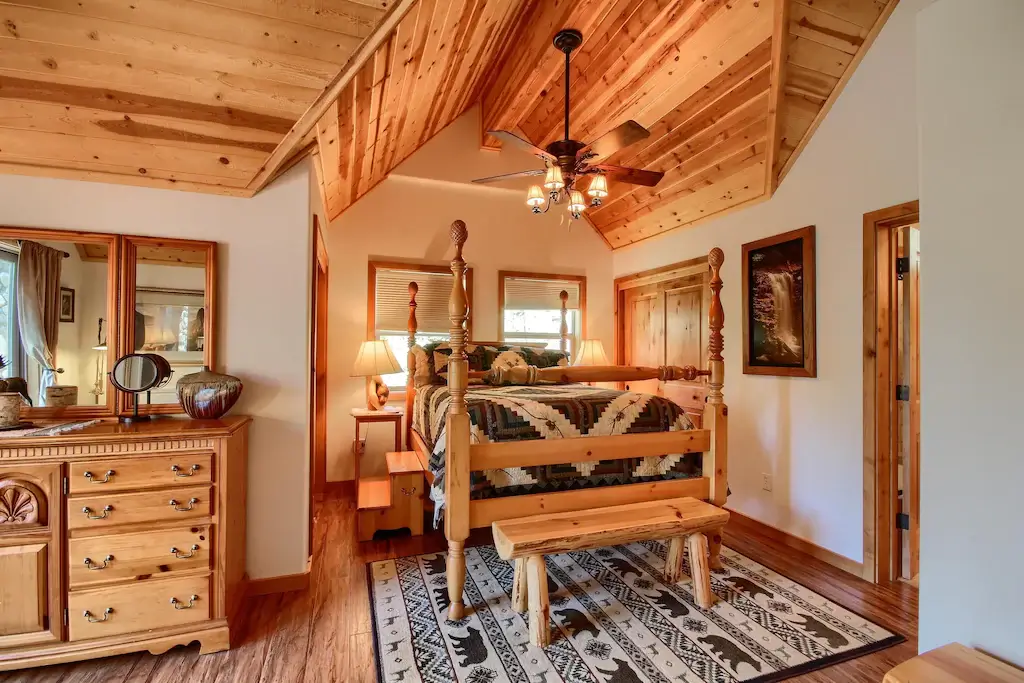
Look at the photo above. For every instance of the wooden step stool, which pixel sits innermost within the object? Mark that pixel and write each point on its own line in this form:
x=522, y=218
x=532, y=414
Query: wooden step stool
x=394, y=500
x=528, y=539
x=954, y=663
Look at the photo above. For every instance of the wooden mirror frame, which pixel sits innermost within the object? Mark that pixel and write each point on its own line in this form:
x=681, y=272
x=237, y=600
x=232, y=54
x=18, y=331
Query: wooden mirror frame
x=113, y=244
x=126, y=332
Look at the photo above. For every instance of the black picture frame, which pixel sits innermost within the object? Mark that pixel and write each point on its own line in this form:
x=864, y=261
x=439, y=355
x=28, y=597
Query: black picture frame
x=67, y=305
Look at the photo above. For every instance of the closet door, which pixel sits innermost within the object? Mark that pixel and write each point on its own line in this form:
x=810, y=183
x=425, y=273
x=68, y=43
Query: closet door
x=664, y=322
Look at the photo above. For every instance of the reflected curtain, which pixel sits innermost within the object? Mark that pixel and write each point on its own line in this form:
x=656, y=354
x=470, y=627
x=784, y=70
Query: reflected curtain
x=39, y=308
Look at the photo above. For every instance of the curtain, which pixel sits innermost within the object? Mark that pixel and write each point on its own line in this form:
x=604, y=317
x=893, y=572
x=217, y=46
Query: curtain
x=39, y=307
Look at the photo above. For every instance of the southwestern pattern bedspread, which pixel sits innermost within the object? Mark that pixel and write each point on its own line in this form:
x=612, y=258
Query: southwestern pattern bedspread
x=565, y=411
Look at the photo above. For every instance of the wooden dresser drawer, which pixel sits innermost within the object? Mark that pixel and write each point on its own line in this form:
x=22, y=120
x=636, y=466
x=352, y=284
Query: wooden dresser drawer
x=113, y=610
x=93, y=512
x=117, y=474
x=137, y=556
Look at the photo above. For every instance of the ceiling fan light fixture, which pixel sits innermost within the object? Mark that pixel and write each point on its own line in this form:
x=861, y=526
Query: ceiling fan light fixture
x=553, y=181
x=576, y=205
x=598, y=189
x=535, y=199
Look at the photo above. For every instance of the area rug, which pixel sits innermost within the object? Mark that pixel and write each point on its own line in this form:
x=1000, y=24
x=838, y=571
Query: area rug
x=613, y=620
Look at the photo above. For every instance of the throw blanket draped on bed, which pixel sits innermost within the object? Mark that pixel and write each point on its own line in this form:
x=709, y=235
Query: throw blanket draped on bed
x=513, y=413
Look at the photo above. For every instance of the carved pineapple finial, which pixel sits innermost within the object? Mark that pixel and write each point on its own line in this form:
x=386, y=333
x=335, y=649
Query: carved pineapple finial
x=716, y=258
x=459, y=235
x=564, y=296
x=414, y=289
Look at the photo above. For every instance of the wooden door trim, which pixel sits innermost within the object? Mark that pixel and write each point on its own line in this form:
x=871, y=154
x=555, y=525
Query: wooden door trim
x=318, y=347
x=879, y=387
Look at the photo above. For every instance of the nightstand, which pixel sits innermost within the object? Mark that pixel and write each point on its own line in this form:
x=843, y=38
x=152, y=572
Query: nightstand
x=364, y=416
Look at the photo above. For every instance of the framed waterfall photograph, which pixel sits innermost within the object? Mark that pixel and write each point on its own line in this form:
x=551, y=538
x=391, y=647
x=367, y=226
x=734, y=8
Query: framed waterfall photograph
x=778, y=305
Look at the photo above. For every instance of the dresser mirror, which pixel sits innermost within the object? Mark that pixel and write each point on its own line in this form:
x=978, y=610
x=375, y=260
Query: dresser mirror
x=72, y=303
x=57, y=300
x=169, y=283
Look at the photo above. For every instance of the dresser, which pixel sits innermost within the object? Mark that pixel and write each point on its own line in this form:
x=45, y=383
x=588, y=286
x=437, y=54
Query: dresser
x=120, y=538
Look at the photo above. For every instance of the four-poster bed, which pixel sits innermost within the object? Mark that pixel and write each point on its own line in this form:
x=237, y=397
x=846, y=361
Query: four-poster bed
x=674, y=441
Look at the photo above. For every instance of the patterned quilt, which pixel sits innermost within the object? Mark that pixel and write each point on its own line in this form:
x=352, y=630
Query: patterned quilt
x=512, y=413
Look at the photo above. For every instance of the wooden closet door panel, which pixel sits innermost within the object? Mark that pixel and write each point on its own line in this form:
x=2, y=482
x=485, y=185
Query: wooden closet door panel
x=684, y=311
x=647, y=330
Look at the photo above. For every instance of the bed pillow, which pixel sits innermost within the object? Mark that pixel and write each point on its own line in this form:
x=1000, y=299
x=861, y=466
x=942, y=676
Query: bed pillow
x=421, y=366
x=437, y=355
x=541, y=358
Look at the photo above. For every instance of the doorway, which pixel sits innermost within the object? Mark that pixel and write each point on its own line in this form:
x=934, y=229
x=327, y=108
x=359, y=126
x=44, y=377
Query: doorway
x=892, y=391
x=318, y=375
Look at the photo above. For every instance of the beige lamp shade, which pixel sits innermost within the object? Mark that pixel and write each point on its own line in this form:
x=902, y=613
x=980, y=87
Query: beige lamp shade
x=375, y=358
x=591, y=353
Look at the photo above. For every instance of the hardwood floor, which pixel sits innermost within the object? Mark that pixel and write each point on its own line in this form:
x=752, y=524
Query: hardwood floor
x=323, y=634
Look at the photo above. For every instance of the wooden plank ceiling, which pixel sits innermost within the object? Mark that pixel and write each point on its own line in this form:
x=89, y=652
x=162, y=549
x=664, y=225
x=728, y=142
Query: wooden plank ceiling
x=196, y=94
x=174, y=93
x=731, y=91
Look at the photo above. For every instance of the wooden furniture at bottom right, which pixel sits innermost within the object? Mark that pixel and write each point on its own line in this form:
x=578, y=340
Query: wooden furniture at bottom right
x=954, y=663
x=528, y=539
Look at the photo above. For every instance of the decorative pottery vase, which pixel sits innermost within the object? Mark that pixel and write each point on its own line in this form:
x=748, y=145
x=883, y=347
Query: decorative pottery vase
x=208, y=395
x=10, y=405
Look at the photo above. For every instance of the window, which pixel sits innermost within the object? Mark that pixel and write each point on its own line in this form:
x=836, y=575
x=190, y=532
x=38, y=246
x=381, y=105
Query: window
x=10, y=337
x=531, y=308
x=388, y=314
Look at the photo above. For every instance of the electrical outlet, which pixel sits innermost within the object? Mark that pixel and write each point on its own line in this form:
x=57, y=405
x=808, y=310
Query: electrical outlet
x=766, y=481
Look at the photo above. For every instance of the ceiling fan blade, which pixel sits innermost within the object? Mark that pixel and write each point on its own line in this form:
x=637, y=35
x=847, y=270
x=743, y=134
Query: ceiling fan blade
x=616, y=139
x=516, y=141
x=510, y=176
x=634, y=176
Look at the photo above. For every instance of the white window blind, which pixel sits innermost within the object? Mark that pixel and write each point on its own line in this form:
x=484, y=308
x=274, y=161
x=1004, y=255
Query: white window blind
x=533, y=294
x=392, y=300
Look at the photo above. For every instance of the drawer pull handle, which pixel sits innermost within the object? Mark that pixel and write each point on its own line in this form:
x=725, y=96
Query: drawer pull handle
x=89, y=564
x=178, y=472
x=93, y=620
x=181, y=556
x=92, y=477
x=106, y=509
x=191, y=502
x=191, y=602
x=409, y=492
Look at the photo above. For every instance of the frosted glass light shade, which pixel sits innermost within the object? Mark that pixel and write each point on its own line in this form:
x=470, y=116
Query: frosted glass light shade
x=591, y=352
x=576, y=205
x=375, y=358
x=536, y=196
x=598, y=187
x=553, y=180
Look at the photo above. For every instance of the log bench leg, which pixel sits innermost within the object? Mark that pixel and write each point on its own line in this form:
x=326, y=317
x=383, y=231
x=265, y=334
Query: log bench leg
x=519, y=589
x=715, y=549
x=537, y=589
x=697, y=544
x=674, y=560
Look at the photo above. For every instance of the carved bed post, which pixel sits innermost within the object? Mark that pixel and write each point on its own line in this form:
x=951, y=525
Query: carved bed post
x=410, y=380
x=716, y=413
x=563, y=331
x=456, y=473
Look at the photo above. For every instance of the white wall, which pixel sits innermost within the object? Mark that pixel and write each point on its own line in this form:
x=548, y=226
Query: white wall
x=807, y=433
x=407, y=218
x=971, y=95
x=262, y=313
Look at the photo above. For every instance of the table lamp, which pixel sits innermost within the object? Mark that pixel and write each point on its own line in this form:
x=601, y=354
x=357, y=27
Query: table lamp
x=591, y=352
x=373, y=360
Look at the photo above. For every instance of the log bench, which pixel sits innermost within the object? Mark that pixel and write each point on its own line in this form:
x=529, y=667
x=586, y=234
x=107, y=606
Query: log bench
x=528, y=539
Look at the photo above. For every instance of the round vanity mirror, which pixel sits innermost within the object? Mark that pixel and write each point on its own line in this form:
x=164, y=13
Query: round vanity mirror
x=139, y=372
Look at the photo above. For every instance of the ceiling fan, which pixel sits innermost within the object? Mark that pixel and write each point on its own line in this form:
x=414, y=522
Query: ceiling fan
x=568, y=160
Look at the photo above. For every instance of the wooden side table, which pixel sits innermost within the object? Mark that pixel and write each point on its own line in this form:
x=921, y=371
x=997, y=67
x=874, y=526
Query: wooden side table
x=364, y=416
x=954, y=663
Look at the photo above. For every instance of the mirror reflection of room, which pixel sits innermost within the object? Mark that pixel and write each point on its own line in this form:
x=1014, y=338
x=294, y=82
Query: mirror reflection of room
x=170, y=314
x=53, y=321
